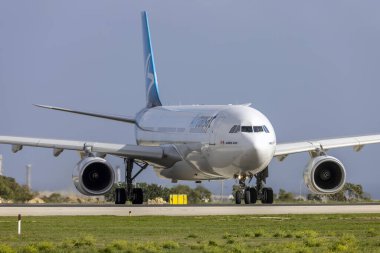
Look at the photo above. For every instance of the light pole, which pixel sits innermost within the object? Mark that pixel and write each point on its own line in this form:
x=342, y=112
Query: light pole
x=29, y=176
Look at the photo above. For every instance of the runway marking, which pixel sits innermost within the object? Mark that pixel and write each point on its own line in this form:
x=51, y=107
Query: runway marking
x=93, y=210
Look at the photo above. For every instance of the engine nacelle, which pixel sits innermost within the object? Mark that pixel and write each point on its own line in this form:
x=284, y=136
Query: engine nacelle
x=93, y=176
x=325, y=175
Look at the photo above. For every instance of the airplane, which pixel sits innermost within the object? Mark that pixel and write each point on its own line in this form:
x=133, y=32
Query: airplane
x=195, y=143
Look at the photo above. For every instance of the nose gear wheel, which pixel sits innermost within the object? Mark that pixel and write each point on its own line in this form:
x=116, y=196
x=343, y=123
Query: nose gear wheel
x=258, y=192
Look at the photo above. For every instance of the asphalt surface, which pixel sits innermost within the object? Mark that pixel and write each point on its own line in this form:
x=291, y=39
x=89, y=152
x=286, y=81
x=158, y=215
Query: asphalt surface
x=184, y=210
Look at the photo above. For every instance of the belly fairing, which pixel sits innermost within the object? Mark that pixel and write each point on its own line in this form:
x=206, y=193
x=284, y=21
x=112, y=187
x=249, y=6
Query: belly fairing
x=194, y=165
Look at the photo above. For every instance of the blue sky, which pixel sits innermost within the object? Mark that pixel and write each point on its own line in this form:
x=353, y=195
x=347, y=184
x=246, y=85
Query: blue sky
x=311, y=67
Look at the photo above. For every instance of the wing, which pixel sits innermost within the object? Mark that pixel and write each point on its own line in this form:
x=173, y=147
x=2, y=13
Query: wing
x=357, y=142
x=164, y=155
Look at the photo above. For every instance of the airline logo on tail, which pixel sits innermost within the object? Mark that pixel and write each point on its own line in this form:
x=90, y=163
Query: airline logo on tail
x=149, y=77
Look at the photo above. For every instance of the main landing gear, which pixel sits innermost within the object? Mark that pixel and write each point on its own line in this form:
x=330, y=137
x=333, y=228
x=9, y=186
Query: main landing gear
x=252, y=194
x=130, y=193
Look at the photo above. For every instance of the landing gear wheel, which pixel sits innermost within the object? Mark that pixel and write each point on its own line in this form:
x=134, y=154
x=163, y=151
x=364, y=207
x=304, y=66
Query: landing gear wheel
x=267, y=196
x=253, y=194
x=120, y=196
x=247, y=196
x=238, y=197
x=137, y=196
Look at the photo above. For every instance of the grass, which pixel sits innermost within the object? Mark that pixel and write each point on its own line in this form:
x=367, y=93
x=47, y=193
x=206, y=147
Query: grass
x=109, y=234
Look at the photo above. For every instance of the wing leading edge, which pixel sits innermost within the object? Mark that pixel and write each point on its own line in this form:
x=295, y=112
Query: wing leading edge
x=164, y=155
x=357, y=142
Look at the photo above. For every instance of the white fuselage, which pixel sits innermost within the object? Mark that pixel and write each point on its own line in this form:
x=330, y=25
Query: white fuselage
x=215, y=142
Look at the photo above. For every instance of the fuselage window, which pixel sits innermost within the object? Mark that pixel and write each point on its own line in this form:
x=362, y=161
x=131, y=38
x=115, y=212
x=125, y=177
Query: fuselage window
x=246, y=129
x=258, y=129
x=235, y=129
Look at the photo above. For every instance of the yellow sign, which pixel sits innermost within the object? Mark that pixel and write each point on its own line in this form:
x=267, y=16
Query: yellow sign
x=178, y=199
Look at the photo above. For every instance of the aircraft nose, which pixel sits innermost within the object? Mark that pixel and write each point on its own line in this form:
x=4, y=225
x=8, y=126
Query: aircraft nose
x=258, y=154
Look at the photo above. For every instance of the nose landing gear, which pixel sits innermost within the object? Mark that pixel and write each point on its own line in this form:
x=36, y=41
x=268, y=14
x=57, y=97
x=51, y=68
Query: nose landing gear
x=252, y=194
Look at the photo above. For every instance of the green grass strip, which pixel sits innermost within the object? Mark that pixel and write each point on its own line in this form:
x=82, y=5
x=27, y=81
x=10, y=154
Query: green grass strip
x=280, y=233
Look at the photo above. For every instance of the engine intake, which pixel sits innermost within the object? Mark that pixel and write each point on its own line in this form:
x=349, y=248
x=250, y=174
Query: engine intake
x=93, y=176
x=325, y=175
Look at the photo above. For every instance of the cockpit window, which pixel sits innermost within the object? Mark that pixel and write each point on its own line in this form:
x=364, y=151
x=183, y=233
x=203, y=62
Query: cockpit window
x=249, y=129
x=235, y=129
x=259, y=129
x=246, y=129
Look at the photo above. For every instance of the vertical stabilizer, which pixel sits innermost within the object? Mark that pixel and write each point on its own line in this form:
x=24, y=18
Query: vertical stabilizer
x=152, y=94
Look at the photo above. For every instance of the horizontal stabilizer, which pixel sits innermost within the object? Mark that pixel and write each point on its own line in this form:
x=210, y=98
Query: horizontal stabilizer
x=92, y=114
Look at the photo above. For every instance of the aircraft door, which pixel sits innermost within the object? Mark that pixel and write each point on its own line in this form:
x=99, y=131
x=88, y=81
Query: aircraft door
x=212, y=137
x=213, y=130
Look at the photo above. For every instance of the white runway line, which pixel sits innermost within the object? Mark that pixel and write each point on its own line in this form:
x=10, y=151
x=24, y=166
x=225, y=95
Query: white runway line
x=185, y=210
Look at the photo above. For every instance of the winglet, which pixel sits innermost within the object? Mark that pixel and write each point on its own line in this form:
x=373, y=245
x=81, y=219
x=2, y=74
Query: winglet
x=152, y=94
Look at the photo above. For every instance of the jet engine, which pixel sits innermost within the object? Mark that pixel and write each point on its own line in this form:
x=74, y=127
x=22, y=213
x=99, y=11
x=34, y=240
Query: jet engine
x=324, y=175
x=93, y=176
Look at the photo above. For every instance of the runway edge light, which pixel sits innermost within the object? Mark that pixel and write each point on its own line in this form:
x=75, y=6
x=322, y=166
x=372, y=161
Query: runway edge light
x=19, y=225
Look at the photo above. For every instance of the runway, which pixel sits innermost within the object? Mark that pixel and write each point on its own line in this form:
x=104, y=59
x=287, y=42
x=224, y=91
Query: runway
x=190, y=210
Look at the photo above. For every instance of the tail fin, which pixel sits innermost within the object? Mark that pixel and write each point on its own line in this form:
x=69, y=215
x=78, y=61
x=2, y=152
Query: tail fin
x=152, y=94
